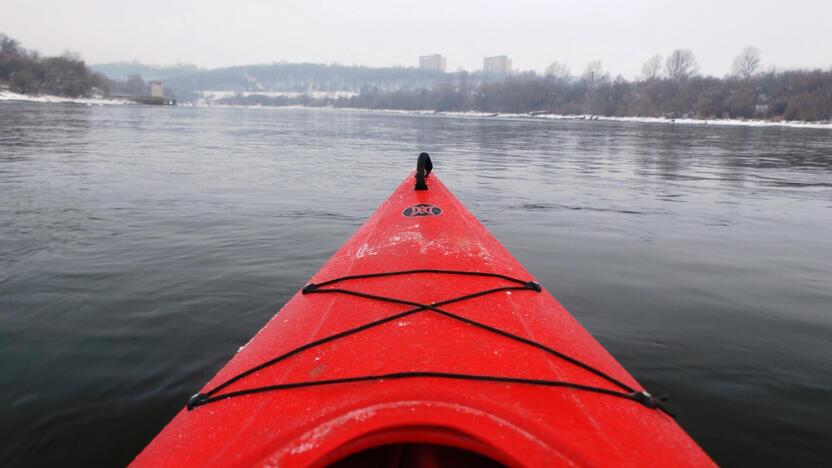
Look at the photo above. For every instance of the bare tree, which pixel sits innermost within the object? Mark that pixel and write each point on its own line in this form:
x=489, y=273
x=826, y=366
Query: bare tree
x=135, y=86
x=652, y=68
x=747, y=63
x=595, y=73
x=70, y=55
x=7, y=44
x=681, y=65
x=558, y=71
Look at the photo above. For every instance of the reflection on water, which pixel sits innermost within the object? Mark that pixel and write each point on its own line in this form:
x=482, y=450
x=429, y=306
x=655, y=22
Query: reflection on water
x=141, y=246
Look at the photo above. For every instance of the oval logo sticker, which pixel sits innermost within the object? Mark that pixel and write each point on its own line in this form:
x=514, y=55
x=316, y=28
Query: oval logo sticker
x=422, y=209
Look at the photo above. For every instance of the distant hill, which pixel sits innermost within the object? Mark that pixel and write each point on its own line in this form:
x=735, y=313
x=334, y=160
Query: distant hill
x=123, y=70
x=187, y=80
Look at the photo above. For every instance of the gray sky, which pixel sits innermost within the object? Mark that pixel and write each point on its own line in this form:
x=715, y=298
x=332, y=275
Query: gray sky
x=209, y=33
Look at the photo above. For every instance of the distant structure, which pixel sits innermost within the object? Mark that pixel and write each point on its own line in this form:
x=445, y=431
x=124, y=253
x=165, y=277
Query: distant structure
x=156, y=89
x=156, y=97
x=499, y=65
x=432, y=62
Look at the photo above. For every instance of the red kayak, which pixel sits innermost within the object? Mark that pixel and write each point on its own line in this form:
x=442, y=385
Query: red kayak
x=422, y=342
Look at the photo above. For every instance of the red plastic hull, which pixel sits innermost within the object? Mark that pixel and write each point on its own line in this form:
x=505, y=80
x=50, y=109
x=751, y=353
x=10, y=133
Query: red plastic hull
x=516, y=424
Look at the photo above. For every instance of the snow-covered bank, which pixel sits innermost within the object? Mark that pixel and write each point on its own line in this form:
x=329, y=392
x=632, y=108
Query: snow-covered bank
x=539, y=116
x=648, y=120
x=721, y=122
x=209, y=96
x=6, y=95
x=217, y=98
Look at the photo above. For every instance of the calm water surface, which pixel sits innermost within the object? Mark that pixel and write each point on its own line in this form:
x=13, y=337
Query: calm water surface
x=141, y=246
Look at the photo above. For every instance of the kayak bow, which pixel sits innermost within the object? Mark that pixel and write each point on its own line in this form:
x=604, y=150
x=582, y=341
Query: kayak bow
x=422, y=342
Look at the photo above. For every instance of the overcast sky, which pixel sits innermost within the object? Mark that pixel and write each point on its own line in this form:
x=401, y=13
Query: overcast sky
x=622, y=34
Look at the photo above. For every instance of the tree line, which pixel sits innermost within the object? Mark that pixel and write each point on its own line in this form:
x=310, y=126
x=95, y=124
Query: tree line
x=27, y=72
x=668, y=87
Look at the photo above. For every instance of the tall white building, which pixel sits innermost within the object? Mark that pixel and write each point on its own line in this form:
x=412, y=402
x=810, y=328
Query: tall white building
x=499, y=65
x=432, y=62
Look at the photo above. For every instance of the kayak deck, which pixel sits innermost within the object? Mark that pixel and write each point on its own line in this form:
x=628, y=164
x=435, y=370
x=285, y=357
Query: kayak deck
x=411, y=405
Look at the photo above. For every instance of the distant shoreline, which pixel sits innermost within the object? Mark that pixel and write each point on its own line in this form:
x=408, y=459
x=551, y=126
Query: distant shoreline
x=633, y=119
x=546, y=116
x=101, y=101
x=50, y=99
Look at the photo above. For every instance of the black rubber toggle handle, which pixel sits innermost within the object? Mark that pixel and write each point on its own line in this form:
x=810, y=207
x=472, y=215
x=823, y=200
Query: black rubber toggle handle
x=423, y=168
x=195, y=400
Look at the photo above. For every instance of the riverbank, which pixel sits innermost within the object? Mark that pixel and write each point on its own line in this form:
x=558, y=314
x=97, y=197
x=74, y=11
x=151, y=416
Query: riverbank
x=101, y=101
x=544, y=116
x=6, y=95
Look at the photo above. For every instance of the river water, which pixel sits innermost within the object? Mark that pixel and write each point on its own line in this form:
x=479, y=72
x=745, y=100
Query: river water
x=141, y=246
